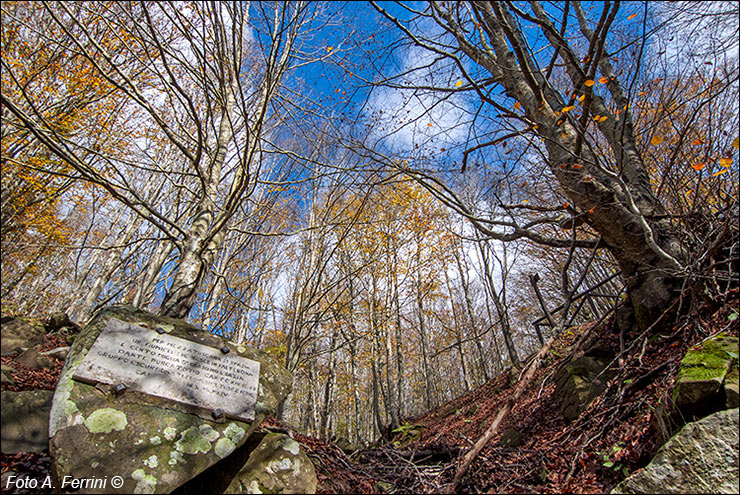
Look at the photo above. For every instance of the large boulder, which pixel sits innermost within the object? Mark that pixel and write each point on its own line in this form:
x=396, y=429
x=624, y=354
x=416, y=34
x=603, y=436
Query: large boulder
x=701, y=458
x=277, y=465
x=16, y=333
x=155, y=444
x=700, y=386
x=25, y=420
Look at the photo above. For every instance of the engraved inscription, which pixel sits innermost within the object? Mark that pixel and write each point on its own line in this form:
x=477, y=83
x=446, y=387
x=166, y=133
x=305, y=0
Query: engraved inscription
x=172, y=368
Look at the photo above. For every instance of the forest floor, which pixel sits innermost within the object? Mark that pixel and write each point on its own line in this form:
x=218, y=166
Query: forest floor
x=618, y=432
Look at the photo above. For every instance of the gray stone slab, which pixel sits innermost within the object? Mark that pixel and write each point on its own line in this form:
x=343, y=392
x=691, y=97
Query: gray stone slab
x=172, y=368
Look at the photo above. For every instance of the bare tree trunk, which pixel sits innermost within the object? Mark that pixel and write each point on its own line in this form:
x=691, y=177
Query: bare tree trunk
x=326, y=407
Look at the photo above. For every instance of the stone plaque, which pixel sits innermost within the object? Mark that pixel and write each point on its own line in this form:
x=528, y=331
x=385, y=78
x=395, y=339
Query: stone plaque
x=172, y=368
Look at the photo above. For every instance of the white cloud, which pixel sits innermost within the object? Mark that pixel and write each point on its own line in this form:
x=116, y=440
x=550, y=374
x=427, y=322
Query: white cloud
x=410, y=118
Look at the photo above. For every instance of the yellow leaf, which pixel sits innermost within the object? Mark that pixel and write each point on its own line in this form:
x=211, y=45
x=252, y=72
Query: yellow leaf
x=458, y=84
x=589, y=83
x=604, y=80
x=602, y=119
x=581, y=98
x=657, y=140
x=735, y=144
x=329, y=48
x=725, y=162
x=596, y=118
x=632, y=16
x=697, y=166
x=517, y=105
x=568, y=108
x=525, y=201
x=719, y=173
x=564, y=135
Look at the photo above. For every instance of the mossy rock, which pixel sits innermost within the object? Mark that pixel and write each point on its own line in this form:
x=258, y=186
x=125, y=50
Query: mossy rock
x=155, y=444
x=730, y=387
x=510, y=438
x=277, y=465
x=20, y=333
x=701, y=375
x=25, y=420
x=577, y=384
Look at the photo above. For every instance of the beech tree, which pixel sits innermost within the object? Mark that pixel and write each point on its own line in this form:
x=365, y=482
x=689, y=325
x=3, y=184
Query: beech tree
x=199, y=78
x=566, y=98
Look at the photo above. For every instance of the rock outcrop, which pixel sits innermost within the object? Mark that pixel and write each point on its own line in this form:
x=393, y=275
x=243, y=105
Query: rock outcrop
x=701, y=458
x=25, y=420
x=17, y=334
x=154, y=443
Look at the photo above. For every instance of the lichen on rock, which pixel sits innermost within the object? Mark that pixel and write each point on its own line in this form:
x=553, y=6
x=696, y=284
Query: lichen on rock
x=277, y=465
x=162, y=443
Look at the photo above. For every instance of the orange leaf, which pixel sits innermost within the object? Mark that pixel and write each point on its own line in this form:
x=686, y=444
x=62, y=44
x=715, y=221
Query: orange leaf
x=697, y=166
x=517, y=105
x=458, y=84
x=591, y=210
x=565, y=205
x=632, y=16
x=735, y=144
x=589, y=83
x=564, y=165
x=725, y=162
x=329, y=48
x=604, y=80
x=602, y=119
x=564, y=135
x=719, y=173
x=697, y=142
x=569, y=108
x=581, y=98
x=576, y=166
x=657, y=140
x=429, y=124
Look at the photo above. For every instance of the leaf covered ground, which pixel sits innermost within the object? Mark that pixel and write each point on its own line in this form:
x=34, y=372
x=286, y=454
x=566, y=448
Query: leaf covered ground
x=617, y=434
